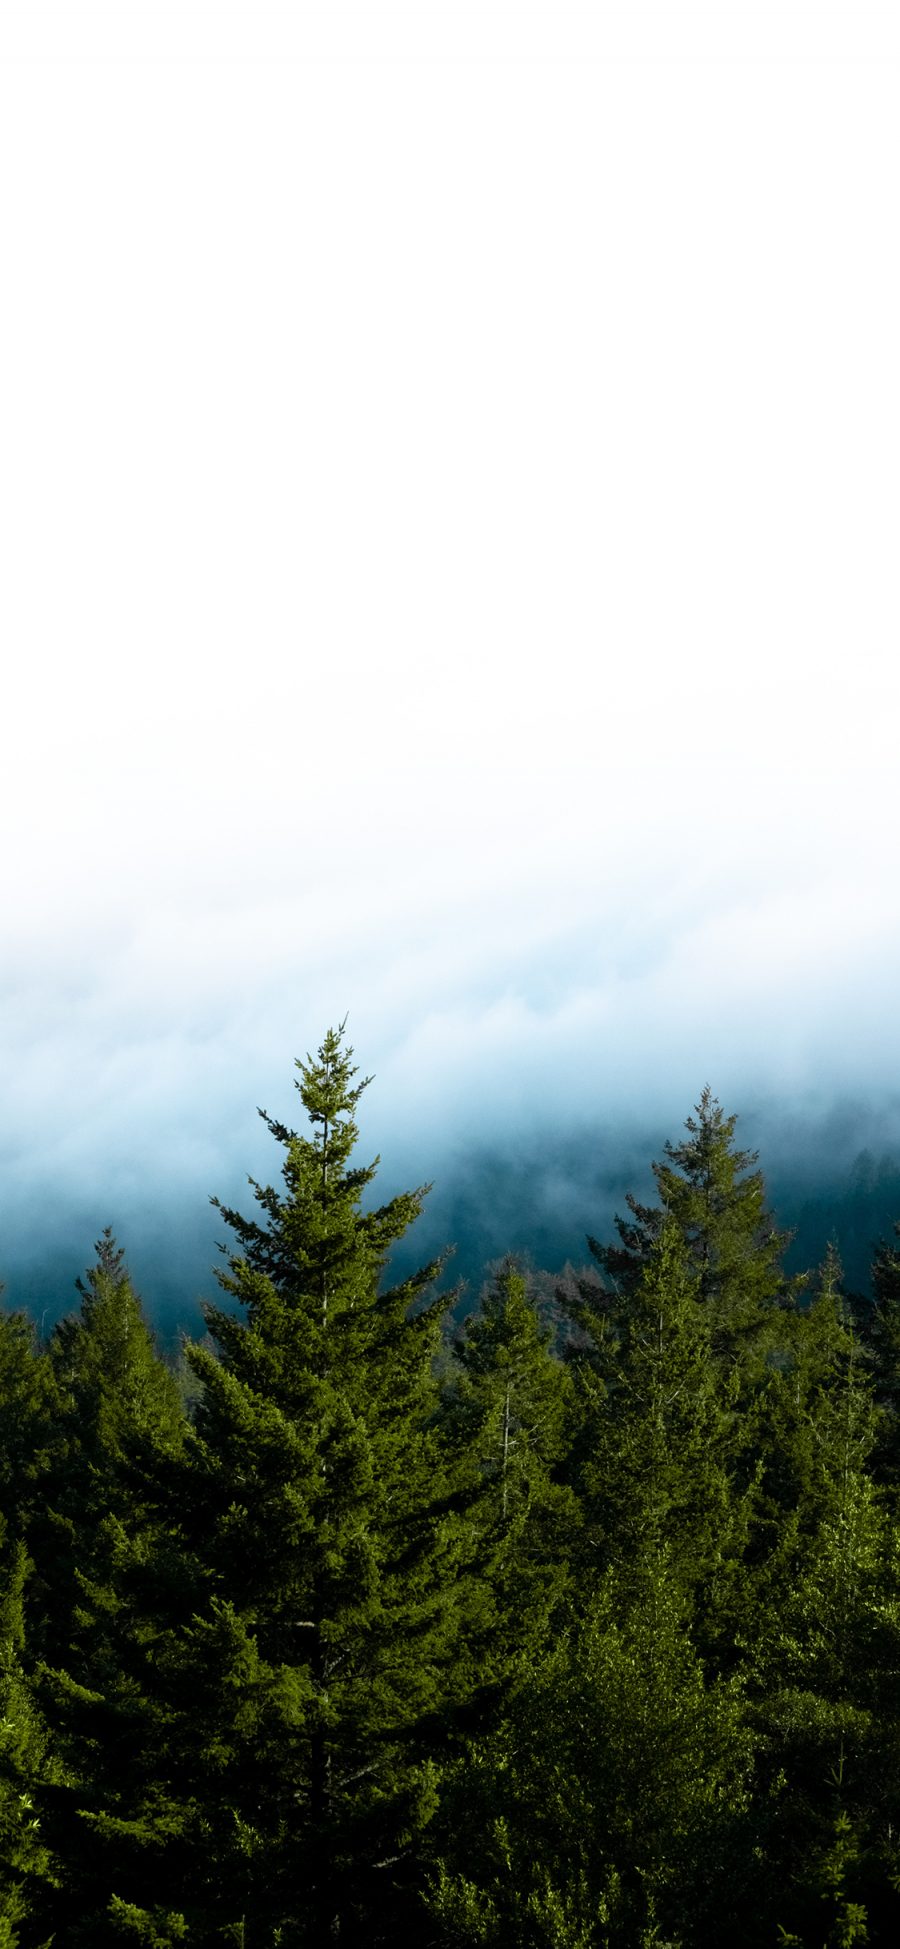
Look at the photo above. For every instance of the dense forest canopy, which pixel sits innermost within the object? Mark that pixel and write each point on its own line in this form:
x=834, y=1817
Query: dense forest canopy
x=571, y=1621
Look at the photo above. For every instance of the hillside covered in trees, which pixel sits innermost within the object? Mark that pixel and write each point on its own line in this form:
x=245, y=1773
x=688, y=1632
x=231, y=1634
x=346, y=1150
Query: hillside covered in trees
x=572, y=1625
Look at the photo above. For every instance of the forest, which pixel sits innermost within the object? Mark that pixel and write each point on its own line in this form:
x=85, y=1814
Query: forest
x=573, y=1623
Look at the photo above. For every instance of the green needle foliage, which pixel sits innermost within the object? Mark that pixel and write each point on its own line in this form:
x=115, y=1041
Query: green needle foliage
x=508, y=1415
x=116, y=1409
x=26, y=1400
x=386, y=1640
x=116, y=1403
x=881, y=1329
x=653, y=1476
x=653, y=1461
x=818, y=1527
x=823, y=1622
x=710, y=1191
x=27, y=1868
x=513, y=1396
x=609, y=1807
x=305, y=1670
x=613, y=1783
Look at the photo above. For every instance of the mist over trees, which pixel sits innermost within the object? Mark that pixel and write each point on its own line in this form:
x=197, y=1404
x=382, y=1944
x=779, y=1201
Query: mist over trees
x=568, y=1621
x=533, y=1191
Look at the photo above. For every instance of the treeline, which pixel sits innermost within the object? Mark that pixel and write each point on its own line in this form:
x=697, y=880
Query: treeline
x=572, y=1627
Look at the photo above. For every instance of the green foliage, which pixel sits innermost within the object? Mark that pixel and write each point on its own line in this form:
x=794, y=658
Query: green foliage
x=654, y=1460
x=653, y=1476
x=300, y=1668
x=709, y=1191
x=840, y=1922
x=26, y=1414
x=506, y=1421
x=513, y=1396
x=818, y=1530
x=610, y=1794
x=345, y=1636
x=822, y=1630
x=116, y=1405
x=116, y=1413
x=881, y=1328
x=26, y=1864
x=136, y=1925
x=608, y=1803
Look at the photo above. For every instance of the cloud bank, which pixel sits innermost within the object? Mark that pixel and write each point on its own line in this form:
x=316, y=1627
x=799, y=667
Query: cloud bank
x=450, y=510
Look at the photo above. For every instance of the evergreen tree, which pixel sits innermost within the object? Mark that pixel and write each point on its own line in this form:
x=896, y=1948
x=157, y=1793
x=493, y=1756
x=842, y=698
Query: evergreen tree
x=116, y=1402
x=609, y=1810
x=117, y=1411
x=506, y=1419
x=822, y=1629
x=653, y=1461
x=26, y=1414
x=716, y=1198
x=817, y=1529
x=305, y=1657
x=881, y=1329
x=614, y=1787
x=26, y=1864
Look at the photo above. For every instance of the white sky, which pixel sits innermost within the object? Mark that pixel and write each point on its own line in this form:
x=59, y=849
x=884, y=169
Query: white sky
x=449, y=507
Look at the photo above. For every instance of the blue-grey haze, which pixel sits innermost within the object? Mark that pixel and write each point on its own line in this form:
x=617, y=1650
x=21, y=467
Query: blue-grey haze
x=829, y=1175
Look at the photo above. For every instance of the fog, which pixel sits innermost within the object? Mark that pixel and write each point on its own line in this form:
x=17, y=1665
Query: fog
x=450, y=503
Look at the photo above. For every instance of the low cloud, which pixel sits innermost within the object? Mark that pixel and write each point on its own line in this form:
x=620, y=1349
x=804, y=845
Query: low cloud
x=546, y=1063
x=492, y=639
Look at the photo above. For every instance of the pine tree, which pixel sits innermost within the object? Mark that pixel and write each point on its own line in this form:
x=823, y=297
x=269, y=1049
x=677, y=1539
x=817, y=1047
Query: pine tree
x=652, y=1460
x=117, y=1411
x=881, y=1330
x=26, y=1416
x=115, y=1402
x=609, y=1809
x=711, y=1191
x=305, y=1657
x=611, y=1791
x=822, y=1629
x=27, y=1869
x=507, y=1417
x=817, y=1529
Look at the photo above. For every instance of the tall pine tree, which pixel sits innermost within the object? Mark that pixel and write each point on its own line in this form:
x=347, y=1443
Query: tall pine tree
x=27, y=1415
x=27, y=1868
x=304, y=1660
x=609, y=1800
x=821, y=1631
x=507, y=1414
x=881, y=1329
x=117, y=1411
x=115, y=1402
x=712, y=1192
